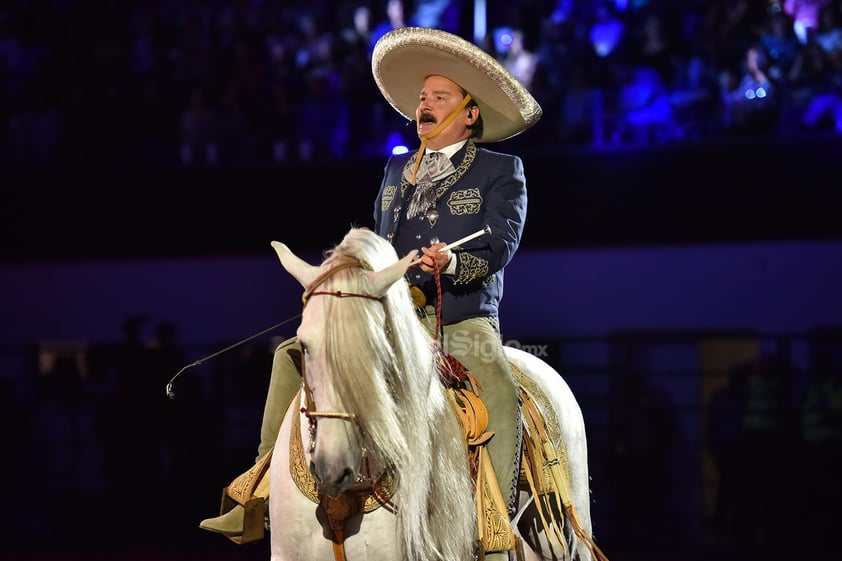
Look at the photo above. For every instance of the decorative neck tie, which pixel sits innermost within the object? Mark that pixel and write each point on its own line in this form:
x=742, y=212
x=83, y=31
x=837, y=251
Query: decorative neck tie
x=435, y=166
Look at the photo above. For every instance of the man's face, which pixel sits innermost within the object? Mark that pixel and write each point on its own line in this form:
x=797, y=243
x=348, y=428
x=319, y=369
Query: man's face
x=439, y=97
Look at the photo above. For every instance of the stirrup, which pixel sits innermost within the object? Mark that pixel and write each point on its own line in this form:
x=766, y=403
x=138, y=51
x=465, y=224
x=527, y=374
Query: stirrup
x=251, y=491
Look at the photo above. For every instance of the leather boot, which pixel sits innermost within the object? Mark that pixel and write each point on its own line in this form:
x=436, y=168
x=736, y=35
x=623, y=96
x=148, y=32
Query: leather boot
x=244, y=508
x=230, y=523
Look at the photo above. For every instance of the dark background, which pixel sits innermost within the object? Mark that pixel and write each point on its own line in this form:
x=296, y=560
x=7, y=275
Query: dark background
x=93, y=173
x=768, y=189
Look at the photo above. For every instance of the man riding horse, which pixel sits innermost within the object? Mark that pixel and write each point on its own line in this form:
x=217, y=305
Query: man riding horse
x=458, y=97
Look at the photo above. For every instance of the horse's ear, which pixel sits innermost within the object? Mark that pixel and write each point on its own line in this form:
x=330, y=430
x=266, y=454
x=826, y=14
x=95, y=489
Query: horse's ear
x=297, y=267
x=380, y=281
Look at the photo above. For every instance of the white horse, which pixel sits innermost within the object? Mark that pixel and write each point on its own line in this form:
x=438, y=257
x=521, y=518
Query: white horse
x=370, y=464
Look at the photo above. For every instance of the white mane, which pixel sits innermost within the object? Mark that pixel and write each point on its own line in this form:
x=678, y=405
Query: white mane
x=384, y=366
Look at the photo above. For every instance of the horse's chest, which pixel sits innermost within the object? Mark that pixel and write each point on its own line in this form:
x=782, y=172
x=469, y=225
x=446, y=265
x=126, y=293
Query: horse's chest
x=301, y=532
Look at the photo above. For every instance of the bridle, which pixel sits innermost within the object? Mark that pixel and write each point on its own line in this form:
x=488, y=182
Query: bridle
x=338, y=509
x=309, y=410
x=343, y=262
x=312, y=414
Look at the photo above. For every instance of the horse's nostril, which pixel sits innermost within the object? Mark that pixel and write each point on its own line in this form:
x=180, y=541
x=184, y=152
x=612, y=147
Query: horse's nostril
x=347, y=479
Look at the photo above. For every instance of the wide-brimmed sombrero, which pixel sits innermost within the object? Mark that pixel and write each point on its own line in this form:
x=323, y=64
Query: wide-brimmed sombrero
x=404, y=57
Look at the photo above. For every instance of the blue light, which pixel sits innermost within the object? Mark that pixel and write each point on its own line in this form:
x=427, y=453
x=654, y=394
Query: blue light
x=606, y=35
x=756, y=93
x=503, y=39
x=395, y=144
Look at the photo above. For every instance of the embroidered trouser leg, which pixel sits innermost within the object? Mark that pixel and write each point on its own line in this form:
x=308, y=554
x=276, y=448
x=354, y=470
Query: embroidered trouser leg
x=477, y=344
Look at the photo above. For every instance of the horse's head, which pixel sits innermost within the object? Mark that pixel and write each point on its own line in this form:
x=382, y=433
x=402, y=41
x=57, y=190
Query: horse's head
x=351, y=301
x=372, y=369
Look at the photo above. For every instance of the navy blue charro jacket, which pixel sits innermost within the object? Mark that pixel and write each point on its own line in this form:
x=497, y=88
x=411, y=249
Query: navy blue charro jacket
x=487, y=189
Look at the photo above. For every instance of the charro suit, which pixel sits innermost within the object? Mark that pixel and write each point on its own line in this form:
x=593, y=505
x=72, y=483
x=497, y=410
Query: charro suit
x=487, y=189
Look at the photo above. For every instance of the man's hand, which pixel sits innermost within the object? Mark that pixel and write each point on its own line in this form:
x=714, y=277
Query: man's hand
x=432, y=257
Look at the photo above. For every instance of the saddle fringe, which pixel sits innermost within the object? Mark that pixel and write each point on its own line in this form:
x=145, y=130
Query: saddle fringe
x=544, y=466
x=547, y=472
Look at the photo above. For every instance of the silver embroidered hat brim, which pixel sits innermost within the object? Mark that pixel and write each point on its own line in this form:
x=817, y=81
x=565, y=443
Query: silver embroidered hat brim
x=404, y=57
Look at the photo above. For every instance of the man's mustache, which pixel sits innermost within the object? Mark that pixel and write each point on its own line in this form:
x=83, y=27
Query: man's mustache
x=427, y=118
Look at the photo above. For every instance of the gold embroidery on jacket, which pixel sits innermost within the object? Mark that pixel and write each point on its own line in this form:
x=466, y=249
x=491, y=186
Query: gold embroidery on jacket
x=471, y=267
x=465, y=201
x=388, y=197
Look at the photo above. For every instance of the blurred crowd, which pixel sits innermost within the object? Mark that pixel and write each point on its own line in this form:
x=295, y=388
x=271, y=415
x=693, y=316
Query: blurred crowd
x=251, y=82
x=777, y=450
